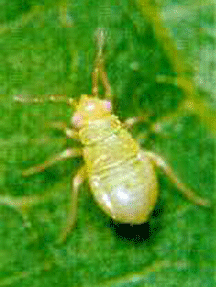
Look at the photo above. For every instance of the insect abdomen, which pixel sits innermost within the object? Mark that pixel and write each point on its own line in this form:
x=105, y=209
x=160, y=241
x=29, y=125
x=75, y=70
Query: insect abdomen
x=122, y=180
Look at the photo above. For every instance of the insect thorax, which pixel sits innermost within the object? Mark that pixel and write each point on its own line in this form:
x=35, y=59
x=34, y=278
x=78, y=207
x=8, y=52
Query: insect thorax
x=103, y=130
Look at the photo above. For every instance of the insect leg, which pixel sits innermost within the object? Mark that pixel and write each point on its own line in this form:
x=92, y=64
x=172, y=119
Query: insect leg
x=130, y=122
x=72, y=214
x=187, y=192
x=155, y=128
x=25, y=202
x=65, y=155
x=70, y=133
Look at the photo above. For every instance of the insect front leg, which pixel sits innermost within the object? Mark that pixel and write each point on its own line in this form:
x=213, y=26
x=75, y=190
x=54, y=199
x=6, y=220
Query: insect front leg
x=187, y=192
x=65, y=155
x=61, y=126
x=72, y=213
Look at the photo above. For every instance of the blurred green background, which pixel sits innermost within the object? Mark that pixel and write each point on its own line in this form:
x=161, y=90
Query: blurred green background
x=47, y=47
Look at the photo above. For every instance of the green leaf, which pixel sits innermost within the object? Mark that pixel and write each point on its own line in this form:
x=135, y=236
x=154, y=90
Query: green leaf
x=47, y=47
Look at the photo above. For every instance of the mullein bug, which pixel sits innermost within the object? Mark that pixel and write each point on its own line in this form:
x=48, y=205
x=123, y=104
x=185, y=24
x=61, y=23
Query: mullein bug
x=122, y=175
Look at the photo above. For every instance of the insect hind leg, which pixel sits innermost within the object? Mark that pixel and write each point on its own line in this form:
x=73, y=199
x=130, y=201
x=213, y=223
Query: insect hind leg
x=187, y=192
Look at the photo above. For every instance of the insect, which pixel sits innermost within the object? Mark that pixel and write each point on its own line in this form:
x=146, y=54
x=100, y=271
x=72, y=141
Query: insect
x=122, y=175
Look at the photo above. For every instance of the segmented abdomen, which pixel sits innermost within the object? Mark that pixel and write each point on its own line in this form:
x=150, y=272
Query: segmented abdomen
x=121, y=178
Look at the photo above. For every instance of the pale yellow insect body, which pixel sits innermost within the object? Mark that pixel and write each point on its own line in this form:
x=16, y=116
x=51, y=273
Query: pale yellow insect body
x=122, y=179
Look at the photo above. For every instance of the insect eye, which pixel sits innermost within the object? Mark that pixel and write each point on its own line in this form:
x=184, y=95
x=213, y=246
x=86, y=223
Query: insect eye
x=77, y=120
x=107, y=105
